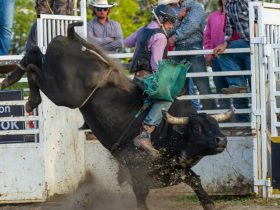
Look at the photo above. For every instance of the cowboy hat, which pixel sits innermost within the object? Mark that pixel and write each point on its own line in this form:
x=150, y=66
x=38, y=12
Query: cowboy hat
x=165, y=2
x=100, y=4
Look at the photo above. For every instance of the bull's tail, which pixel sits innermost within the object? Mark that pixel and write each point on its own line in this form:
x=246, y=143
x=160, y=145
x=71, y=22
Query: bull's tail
x=71, y=29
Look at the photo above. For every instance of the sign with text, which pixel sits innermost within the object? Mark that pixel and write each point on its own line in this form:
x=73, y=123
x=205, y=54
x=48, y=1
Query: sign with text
x=11, y=111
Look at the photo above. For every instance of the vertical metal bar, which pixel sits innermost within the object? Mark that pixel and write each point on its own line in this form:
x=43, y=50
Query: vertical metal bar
x=262, y=72
x=267, y=33
x=45, y=34
x=62, y=28
x=83, y=18
x=260, y=103
x=54, y=33
x=66, y=26
x=254, y=66
x=58, y=27
x=272, y=91
x=49, y=38
x=40, y=33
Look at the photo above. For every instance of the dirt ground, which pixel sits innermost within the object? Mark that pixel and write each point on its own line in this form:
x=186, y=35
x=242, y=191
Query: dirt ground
x=157, y=200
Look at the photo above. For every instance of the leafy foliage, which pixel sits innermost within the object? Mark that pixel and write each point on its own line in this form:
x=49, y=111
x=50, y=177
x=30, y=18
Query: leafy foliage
x=24, y=17
x=131, y=15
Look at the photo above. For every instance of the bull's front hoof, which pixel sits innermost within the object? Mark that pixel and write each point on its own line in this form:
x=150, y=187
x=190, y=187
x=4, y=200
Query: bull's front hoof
x=208, y=206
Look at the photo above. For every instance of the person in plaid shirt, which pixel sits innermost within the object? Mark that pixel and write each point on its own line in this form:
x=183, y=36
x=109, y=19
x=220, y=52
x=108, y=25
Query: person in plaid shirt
x=237, y=19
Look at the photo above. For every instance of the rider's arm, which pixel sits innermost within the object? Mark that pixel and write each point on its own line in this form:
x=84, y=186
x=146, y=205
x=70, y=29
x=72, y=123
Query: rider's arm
x=157, y=44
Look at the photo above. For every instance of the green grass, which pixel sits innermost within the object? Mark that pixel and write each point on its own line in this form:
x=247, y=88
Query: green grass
x=19, y=86
x=231, y=200
x=187, y=198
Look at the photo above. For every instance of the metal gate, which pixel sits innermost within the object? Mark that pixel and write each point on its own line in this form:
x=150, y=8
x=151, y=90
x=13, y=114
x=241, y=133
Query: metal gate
x=267, y=42
x=23, y=165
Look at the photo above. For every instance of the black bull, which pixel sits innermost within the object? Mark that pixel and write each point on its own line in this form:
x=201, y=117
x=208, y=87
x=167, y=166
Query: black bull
x=76, y=74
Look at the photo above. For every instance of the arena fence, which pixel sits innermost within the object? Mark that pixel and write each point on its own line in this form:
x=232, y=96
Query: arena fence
x=264, y=72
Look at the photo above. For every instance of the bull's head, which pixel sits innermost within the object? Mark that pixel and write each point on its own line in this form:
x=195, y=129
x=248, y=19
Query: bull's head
x=200, y=132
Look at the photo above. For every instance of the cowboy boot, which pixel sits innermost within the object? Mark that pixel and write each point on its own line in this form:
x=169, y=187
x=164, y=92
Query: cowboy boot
x=143, y=140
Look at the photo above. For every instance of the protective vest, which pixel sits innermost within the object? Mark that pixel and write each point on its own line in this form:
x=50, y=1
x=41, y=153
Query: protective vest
x=142, y=56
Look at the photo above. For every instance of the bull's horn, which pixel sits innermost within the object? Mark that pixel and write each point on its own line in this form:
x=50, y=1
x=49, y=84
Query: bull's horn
x=174, y=120
x=224, y=116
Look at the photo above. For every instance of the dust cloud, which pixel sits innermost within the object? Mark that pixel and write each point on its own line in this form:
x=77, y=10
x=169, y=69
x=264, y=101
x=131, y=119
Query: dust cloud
x=91, y=196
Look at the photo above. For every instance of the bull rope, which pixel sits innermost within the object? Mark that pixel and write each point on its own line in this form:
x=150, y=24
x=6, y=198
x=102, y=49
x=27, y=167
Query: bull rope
x=104, y=78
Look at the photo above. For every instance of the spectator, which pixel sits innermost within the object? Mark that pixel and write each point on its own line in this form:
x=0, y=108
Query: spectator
x=188, y=35
x=58, y=7
x=61, y=7
x=172, y=3
x=181, y=12
x=6, y=24
x=150, y=44
x=106, y=32
x=237, y=19
x=213, y=36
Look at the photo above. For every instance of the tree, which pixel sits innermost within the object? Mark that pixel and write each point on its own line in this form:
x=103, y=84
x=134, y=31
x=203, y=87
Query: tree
x=24, y=17
x=130, y=16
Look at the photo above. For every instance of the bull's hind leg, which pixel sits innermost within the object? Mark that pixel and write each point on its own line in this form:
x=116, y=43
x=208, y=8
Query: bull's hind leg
x=34, y=98
x=194, y=182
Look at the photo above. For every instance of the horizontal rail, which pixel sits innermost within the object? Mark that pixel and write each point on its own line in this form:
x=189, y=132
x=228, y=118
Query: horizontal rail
x=214, y=96
x=186, y=52
x=60, y=17
x=34, y=145
x=24, y=118
x=129, y=55
x=22, y=80
x=277, y=124
x=233, y=125
x=222, y=73
x=276, y=93
x=12, y=103
x=11, y=57
x=204, y=52
x=220, y=111
x=20, y=132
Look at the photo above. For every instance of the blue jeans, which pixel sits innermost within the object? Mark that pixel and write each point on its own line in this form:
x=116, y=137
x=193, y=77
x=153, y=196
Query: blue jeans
x=6, y=24
x=59, y=7
x=195, y=102
x=198, y=65
x=237, y=62
x=154, y=116
x=220, y=82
